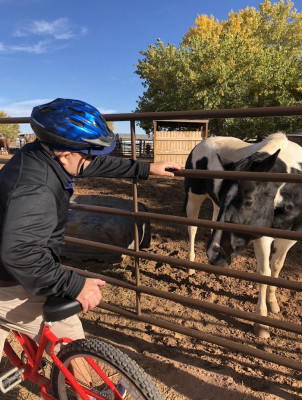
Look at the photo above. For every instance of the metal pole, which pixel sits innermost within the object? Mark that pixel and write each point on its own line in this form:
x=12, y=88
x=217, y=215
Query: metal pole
x=135, y=209
x=177, y=262
x=192, y=114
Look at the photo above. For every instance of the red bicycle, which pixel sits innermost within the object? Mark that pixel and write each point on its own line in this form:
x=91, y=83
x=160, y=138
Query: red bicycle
x=87, y=369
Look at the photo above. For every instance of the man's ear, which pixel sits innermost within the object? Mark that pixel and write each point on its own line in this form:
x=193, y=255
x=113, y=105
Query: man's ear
x=63, y=157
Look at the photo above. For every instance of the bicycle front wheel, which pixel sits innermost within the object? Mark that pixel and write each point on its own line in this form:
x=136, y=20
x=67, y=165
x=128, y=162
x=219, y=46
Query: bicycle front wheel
x=130, y=380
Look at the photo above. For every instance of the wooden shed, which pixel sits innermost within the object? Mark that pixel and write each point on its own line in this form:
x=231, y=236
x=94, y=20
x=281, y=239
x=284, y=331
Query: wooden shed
x=174, y=139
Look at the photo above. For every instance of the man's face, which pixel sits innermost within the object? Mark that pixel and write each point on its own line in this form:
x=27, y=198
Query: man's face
x=74, y=162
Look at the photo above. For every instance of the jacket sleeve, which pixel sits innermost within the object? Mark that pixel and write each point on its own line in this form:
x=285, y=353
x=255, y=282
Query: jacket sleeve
x=115, y=167
x=30, y=220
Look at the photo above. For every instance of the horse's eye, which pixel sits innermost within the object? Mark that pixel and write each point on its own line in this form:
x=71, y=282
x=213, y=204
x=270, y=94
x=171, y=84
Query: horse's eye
x=248, y=203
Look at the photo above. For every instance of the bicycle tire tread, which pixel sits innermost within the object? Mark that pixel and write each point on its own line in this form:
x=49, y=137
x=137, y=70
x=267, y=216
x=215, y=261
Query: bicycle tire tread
x=117, y=358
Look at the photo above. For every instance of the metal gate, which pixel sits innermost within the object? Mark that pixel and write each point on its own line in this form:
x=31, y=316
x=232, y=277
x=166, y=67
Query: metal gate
x=137, y=254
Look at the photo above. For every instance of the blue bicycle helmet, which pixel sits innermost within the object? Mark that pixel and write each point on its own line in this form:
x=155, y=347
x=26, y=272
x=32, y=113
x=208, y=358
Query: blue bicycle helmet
x=72, y=125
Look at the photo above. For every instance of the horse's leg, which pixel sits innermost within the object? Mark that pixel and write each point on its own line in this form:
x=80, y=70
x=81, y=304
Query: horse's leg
x=215, y=212
x=280, y=249
x=192, y=210
x=262, y=248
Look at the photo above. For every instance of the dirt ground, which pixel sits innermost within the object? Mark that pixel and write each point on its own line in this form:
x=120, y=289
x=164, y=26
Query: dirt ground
x=185, y=368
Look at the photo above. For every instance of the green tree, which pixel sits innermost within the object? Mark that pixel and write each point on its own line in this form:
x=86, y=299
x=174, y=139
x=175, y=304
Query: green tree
x=111, y=125
x=251, y=60
x=9, y=131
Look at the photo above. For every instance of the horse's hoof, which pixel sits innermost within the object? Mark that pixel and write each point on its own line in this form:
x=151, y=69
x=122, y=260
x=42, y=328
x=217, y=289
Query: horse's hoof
x=261, y=331
x=191, y=271
x=273, y=307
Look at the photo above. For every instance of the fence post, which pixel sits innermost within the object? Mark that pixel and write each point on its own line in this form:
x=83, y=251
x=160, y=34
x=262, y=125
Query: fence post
x=135, y=209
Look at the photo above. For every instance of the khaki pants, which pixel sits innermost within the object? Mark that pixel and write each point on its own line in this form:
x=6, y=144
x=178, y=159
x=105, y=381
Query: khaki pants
x=23, y=312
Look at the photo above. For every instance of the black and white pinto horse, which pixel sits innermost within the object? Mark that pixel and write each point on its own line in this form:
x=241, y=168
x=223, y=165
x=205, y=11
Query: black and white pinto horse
x=265, y=204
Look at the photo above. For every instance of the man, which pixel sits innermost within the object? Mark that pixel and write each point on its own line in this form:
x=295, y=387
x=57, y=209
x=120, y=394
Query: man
x=73, y=140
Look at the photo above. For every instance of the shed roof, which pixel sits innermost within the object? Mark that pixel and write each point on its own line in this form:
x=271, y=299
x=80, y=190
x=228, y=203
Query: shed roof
x=197, y=121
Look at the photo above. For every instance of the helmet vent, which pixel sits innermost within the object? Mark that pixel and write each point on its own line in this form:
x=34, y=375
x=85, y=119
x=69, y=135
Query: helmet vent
x=97, y=124
x=75, y=122
x=45, y=109
x=75, y=111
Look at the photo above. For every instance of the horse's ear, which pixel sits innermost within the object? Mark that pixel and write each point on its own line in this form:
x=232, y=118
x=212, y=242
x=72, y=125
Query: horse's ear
x=266, y=164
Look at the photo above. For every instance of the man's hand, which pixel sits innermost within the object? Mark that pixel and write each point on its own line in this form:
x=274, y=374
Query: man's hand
x=90, y=296
x=160, y=168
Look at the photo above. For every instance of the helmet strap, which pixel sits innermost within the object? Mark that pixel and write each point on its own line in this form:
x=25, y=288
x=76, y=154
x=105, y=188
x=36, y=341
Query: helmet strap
x=53, y=154
x=89, y=156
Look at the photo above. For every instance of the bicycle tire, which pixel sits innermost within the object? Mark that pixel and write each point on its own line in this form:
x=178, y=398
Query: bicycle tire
x=118, y=367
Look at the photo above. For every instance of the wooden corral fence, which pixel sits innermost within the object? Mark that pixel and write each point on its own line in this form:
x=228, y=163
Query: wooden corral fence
x=143, y=146
x=176, y=145
x=176, y=262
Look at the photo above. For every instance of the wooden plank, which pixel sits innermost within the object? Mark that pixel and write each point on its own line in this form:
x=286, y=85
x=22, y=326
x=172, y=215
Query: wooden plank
x=180, y=139
x=175, y=146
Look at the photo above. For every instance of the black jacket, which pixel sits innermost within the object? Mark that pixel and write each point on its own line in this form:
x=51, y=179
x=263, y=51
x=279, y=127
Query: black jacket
x=34, y=198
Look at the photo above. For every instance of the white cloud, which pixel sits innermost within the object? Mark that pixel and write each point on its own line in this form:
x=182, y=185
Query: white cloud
x=51, y=32
x=59, y=29
x=22, y=108
x=38, y=48
x=32, y=102
x=84, y=30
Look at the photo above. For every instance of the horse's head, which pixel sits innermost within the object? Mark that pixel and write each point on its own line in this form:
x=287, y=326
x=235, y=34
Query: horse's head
x=243, y=202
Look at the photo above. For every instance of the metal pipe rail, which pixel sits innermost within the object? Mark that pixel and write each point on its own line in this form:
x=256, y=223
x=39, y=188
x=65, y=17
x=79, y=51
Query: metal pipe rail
x=210, y=307
x=289, y=326
x=225, y=343
x=260, y=231
x=177, y=262
x=240, y=175
x=191, y=114
x=229, y=344
x=238, y=347
x=226, y=226
x=231, y=175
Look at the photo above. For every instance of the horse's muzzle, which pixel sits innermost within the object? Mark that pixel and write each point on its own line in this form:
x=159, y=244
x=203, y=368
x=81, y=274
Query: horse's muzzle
x=216, y=256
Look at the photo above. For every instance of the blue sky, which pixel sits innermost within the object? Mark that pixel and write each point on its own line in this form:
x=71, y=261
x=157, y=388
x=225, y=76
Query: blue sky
x=87, y=50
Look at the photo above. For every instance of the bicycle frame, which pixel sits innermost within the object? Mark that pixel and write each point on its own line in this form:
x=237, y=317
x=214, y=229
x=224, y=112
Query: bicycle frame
x=34, y=353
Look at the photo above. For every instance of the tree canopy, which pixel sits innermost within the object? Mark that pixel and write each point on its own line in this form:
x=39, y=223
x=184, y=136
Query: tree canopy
x=111, y=125
x=253, y=59
x=9, y=131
